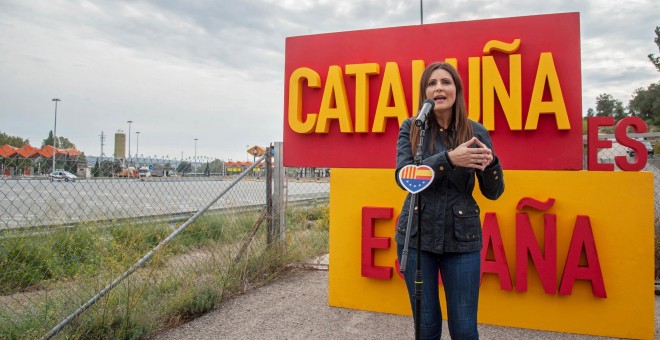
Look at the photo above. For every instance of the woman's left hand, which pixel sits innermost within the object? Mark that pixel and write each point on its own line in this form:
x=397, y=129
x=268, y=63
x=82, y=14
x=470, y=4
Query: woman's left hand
x=478, y=157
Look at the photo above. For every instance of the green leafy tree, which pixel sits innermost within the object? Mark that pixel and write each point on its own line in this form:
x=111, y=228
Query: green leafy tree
x=12, y=140
x=108, y=168
x=591, y=112
x=656, y=60
x=62, y=142
x=619, y=111
x=48, y=140
x=184, y=167
x=216, y=166
x=606, y=105
x=645, y=104
x=96, y=169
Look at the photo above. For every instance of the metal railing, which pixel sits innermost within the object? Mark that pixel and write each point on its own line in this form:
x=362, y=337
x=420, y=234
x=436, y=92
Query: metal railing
x=117, y=252
x=124, y=255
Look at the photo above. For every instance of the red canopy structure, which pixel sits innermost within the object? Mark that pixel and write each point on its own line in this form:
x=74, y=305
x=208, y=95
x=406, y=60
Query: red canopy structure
x=7, y=151
x=47, y=152
x=72, y=152
x=28, y=151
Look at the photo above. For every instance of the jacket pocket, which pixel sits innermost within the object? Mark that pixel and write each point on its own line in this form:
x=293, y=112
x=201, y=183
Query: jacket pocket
x=467, y=226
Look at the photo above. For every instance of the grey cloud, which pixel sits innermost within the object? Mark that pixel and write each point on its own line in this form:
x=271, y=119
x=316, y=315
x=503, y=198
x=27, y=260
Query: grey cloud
x=186, y=69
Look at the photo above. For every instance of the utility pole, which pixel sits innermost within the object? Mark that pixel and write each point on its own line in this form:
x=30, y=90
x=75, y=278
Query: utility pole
x=55, y=133
x=102, y=140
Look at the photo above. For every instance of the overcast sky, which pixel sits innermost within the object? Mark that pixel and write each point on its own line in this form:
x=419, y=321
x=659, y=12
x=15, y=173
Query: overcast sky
x=214, y=70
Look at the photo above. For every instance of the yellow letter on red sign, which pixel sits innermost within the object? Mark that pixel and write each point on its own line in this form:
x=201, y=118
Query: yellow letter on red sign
x=296, y=122
x=391, y=91
x=362, y=73
x=334, y=104
x=556, y=106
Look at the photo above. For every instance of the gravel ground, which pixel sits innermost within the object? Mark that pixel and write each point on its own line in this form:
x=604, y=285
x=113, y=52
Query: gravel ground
x=295, y=307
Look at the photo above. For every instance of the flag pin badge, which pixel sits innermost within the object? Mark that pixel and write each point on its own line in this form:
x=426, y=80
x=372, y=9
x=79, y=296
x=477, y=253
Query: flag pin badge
x=416, y=178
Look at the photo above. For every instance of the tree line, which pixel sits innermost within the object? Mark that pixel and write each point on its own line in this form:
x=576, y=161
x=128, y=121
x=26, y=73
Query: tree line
x=645, y=102
x=15, y=141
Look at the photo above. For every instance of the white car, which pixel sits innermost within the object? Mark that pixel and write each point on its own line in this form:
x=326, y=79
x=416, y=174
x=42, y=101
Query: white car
x=144, y=172
x=60, y=175
x=649, y=148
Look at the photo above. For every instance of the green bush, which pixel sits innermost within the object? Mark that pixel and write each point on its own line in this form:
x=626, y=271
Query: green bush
x=155, y=296
x=72, y=251
x=23, y=263
x=28, y=261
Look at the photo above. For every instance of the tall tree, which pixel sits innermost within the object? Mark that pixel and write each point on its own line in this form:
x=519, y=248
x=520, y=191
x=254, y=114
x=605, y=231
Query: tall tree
x=95, y=169
x=12, y=140
x=216, y=166
x=619, y=111
x=645, y=104
x=62, y=142
x=591, y=112
x=656, y=60
x=184, y=167
x=48, y=140
x=606, y=105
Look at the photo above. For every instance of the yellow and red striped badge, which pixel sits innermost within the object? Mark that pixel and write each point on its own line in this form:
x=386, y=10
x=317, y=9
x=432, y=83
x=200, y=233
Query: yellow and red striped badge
x=416, y=178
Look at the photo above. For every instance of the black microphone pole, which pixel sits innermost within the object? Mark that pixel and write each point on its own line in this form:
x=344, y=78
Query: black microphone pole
x=415, y=206
x=420, y=121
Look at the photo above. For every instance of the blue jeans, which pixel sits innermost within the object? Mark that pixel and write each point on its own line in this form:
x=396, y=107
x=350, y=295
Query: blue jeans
x=460, y=277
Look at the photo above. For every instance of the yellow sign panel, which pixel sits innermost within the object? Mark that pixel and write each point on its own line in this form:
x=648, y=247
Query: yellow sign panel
x=602, y=283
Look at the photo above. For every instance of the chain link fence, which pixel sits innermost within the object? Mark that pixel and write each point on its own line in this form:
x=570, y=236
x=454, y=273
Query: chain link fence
x=650, y=141
x=125, y=248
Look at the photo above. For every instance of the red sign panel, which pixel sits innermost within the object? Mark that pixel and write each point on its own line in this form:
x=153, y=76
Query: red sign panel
x=346, y=94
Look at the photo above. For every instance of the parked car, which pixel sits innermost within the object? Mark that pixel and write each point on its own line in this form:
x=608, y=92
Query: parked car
x=649, y=147
x=61, y=175
x=144, y=173
x=647, y=144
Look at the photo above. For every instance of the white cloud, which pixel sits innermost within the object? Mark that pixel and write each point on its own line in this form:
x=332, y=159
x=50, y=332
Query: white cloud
x=214, y=70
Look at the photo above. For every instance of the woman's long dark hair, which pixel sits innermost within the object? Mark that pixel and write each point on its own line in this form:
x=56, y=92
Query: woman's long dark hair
x=460, y=129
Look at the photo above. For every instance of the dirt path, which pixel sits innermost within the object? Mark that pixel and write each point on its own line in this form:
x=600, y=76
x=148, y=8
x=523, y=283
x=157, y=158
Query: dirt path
x=296, y=307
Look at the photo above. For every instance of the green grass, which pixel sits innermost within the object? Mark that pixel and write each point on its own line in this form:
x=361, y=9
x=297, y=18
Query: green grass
x=188, y=278
x=29, y=261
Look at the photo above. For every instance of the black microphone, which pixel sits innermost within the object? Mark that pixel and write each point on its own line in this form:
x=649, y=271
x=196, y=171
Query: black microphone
x=427, y=107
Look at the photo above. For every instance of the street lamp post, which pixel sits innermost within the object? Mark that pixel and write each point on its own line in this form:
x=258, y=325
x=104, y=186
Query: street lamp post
x=137, y=144
x=195, y=159
x=129, y=136
x=421, y=12
x=55, y=132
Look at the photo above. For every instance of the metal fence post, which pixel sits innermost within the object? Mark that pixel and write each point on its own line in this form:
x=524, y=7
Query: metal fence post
x=269, y=196
x=279, y=194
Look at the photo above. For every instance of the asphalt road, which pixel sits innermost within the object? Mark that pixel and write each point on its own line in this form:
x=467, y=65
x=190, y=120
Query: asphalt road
x=25, y=203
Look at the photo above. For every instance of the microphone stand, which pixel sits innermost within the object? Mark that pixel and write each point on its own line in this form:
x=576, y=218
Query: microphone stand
x=415, y=206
